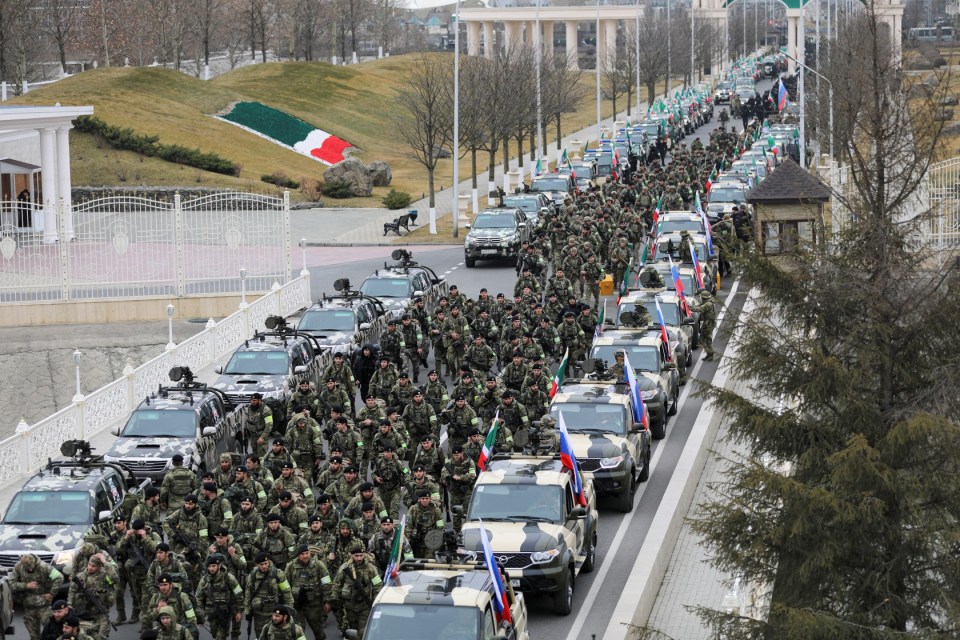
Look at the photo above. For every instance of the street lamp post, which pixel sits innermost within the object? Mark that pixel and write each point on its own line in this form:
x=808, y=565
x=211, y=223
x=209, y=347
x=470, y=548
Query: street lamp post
x=669, y=51
x=456, y=131
x=77, y=356
x=830, y=125
x=170, y=344
x=636, y=45
x=537, y=38
x=596, y=50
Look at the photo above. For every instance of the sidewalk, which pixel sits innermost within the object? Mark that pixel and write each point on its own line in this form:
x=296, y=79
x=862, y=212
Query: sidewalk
x=357, y=227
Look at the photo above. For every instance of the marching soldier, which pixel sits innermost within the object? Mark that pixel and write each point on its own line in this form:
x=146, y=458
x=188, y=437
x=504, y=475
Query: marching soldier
x=423, y=517
x=281, y=628
x=258, y=425
x=381, y=545
x=383, y=379
x=413, y=344
x=170, y=597
x=138, y=547
x=266, y=587
x=392, y=344
x=358, y=583
x=276, y=540
x=220, y=598
x=177, y=484
x=460, y=418
x=35, y=584
x=310, y=584
x=92, y=593
x=458, y=476
x=420, y=482
x=389, y=475
x=419, y=417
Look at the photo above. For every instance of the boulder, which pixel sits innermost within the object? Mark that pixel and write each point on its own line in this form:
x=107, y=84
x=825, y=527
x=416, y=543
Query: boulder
x=380, y=173
x=353, y=172
x=949, y=101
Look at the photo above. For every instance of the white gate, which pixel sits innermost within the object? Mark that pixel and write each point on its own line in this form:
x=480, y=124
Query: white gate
x=126, y=246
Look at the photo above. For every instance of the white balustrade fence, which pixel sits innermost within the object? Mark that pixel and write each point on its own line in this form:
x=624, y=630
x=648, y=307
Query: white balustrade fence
x=127, y=246
x=29, y=448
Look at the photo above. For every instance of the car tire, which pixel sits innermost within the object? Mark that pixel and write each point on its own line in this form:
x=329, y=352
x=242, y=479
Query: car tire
x=625, y=498
x=695, y=342
x=563, y=599
x=673, y=407
x=470, y=262
x=645, y=472
x=591, y=559
x=659, y=430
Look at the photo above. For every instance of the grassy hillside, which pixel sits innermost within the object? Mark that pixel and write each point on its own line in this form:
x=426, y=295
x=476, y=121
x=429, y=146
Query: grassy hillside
x=354, y=103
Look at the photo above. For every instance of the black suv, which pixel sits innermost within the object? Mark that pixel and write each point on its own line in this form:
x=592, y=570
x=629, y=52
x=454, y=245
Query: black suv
x=271, y=363
x=498, y=232
x=398, y=284
x=190, y=419
x=345, y=322
x=67, y=500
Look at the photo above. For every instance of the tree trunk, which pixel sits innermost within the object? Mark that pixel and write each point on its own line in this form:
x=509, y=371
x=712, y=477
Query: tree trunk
x=651, y=92
x=103, y=33
x=506, y=154
x=559, y=136
x=473, y=166
x=433, y=199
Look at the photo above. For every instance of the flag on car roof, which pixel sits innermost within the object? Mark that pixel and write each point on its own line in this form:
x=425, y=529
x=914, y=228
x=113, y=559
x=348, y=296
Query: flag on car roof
x=500, y=603
x=781, y=97
x=488, y=445
x=663, y=329
x=639, y=409
x=539, y=166
x=560, y=374
x=713, y=174
x=395, y=552
x=564, y=160
x=598, y=330
x=569, y=461
x=696, y=264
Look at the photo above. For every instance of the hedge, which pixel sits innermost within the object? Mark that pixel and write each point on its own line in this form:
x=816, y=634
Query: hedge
x=129, y=140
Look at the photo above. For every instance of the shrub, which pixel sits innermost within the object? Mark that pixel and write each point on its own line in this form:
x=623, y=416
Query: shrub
x=280, y=179
x=310, y=189
x=337, y=189
x=396, y=199
x=129, y=140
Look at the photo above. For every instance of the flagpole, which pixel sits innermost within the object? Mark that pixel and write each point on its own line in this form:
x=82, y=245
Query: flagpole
x=596, y=56
x=539, y=111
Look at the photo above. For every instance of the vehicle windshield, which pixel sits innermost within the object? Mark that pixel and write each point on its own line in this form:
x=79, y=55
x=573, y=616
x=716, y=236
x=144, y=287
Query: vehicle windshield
x=49, y=507
x=549, y=184
x=651, y=129
x=530, y=205
x=671, y=313
x=161, y=423
x=587, y=417
x=680, y=224
x=642, y=358
x=516, y=502
x=494, y=221
x=423, y=622
x=264, y=363
x=726, y=194
x=723, y=85
x=386, y=287
x=326, y=320
x=674, y=250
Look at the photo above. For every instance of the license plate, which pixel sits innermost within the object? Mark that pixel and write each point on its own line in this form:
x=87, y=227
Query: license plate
x=515, y=584
x=488, y=252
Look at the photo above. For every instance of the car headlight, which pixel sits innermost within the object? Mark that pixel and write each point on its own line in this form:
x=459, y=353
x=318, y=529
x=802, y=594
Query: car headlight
x=649, y=395
x=611, y=463
x=278, y=394
x=65, y=558
x=109, y=458
x=471, y=242
x=540, y=557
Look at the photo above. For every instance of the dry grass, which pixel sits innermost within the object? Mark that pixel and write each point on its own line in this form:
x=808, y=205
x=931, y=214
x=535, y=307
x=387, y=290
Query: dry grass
x=351, y=102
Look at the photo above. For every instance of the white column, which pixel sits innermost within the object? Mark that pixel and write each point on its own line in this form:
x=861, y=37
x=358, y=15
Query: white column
x=528, y=34
x=793, y=21
x=548, y=39
x=473, y=38
x=488, y=39
x=572, y=45
x=48, y=168
x=610, y=38
x=64, y=184
x=511, y=35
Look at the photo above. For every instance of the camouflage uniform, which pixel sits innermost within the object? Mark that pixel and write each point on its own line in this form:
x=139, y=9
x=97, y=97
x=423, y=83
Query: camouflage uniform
x=420, y=520
x=420, y=419
x=258, y=426
x=592, y=273
x=350, y=443
x=137, y=552
x=177, y=484
x=342, y=544
x=402, y=393
x=392, y=343
x=305, y=445
x=310, y=584
x=149, y=512
x=294, y=518
x=219, y=600
x=458, y=479
x=174, y=566
x=481, y=358
x=286, y=630
x=383, y=380
x=415, y=485
x=187, y=533
x=459, y=420
x=413, y=345
x=381, y=547
x=343, y=491
x=343, y=374
x=368, y=421
x=708, y=320
x=279, y=543
x=572, y=338
x=432, y=459
x=181, y=605
x=456, y=335
x=535, y=401
x=355, y=588
x=220, y=513
x=305, y=396
x=264, y=591
x=236, y=562
x=86, y=590
x=389, y=475
x=36, y=600
x=247, y=525
x=514, y=373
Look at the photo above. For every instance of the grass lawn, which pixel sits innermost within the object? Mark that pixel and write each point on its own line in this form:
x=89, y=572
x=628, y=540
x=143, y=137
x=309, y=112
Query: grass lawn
x=352, y=102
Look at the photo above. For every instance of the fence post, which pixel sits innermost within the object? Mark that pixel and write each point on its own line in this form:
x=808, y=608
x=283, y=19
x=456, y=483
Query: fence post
x=63, y=247
x=211, y=340
x=275, y=294
x=178, y=234
x=287, y=247
x=131, y=388
x=24, y=430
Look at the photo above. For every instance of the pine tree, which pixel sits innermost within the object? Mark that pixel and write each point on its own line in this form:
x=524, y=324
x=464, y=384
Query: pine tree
x=856, y=524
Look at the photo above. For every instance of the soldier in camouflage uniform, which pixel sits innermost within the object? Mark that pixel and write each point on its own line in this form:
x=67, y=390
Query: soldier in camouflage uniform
x=305, y=445
x=230, y=552
x=420, y=482
x=310, y=584
x=281, y=626
x=513, y=415
x=170, y=596
x=572, y=337
x=344, y=488
x=388, y=476
x=358, y=583
x=430, y=456
x=307, y=397
x=392, y=343
x=435, y=392
x=91, y=595
x=560, y=285
x=258, y=472
x=485, y=326
x=368, y=421
x=138, y=547
x=333, y=395
x=69, y=628
x=435, y=334
x=247, y=525
x=343, y=374
x=515, y=371
x=473, y=445
x=456, y=336
x=480, y=357
x=413, y=342
x=348, y=441
x=276, y=539
x=35, y=584
x=365, y=493
x=460, y=418
x=419, y=417
x=178, y=483
x=219, y=511
x=383, y=378
x=534, y=401
x=317, y=537
x=402, y=392
x=220, y=598
x=187, y=531
x=489, y=401
x=620, y=261
x=245, y=486
x=294, y=516
x=329, y=476
x=591, y=273
x=327, y=513
x=381, y=545
x=572, y=265
x=345, y=540
x=368, y=523
x=148, y=508
x=531, y=349
x=542, y=381
x=422, y=517
x=458, y=475
x=164, y=562
x=224, y=474
x=266, y=587
x=258, y=425
x=547, y=337
x=467, y=388
x=705, y=306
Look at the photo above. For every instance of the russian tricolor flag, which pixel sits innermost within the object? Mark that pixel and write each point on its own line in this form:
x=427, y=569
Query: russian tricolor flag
x=781, y=97
x=500, y=602
x=569, y=461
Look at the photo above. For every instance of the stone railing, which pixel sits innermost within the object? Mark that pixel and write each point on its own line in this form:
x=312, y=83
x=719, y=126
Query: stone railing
x=90, y=415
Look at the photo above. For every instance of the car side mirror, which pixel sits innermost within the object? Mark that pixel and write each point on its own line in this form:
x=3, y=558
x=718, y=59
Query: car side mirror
x=578, y=513
x=218, y=371
x=467, y=226
x=418, y=293
x=115, y=430
x=208, y=431
x=672, y=366
x=522, y=225
x=364, y=326
x=351, y=634
x=458, y=509
x=104, y=516
x=689, y=320
x=301, y=369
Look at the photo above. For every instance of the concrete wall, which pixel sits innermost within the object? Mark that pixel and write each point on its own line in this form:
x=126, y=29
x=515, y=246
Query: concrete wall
x=21, y=145
x=118, y=310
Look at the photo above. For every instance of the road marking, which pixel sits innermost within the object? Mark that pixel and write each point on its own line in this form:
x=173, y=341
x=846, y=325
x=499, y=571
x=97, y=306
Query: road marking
x=611, y=553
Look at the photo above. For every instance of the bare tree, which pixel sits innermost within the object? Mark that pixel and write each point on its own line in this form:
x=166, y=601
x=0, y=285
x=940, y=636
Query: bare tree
x=561, y=89
x=206, y=19
x=350, y=16
x=473, y=73
x=60, y=19
x=384, y=18
x=425, y=121
x=615, y=81
x=653, y=51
